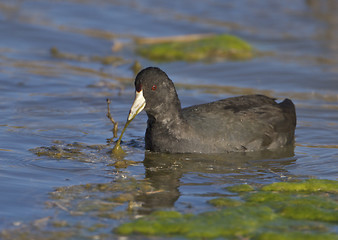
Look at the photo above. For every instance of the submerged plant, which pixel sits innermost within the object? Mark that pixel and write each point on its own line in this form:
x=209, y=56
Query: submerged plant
x=105, y=60
x=267, y=213
x=209, y=48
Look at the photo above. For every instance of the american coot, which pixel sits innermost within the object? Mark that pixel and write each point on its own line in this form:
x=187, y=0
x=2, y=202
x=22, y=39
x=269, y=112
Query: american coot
x=244, y=123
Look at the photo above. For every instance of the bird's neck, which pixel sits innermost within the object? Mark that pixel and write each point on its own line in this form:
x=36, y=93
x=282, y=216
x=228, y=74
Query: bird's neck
x=166, y=117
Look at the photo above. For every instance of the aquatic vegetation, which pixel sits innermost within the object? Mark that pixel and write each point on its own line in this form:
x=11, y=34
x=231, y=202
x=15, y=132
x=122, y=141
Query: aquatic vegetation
x=283, y=210
x=105, y=60
x=225, y=202
x=114, y=200
x=298, y=206
x=62, y=230
x=239, y=221
x=122, y=163
x=240, y=188
x=211, y=48
x=117, y=151
x=260, y=215
x=85, y=153
x=296, y=236
x=310, y=212
x=77, y=151
x=263, y=197
x=57, y=152
x=311, y=185
x=236, y=222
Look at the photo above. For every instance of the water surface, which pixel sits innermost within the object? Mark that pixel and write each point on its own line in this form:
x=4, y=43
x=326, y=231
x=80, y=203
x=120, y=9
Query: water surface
x=60, y=104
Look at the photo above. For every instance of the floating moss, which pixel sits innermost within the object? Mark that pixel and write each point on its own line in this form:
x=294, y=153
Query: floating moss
x=261, y=214
x=58, y=152
x=296, y=236
x=258, y=215
x=224, y=46
x=167, y=214
x=309, y=186
x=240, y=188
x=281, y=198
x=105, y=60
x=240, y=221
x=310, y=212
x=301, y=207
x=77, y=151
x=264, y=197
x=225, y=202
x=318, y=201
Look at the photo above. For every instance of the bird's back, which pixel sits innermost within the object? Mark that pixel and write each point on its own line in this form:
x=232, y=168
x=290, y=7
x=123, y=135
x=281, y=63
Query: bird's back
x=245, y=123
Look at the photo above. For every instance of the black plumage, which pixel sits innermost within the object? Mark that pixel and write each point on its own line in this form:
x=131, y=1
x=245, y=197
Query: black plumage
x=244, y=123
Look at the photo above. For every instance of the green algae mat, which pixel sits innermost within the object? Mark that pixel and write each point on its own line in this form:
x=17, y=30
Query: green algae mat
x=306, y=210
x=211, y=48
x=286, y=210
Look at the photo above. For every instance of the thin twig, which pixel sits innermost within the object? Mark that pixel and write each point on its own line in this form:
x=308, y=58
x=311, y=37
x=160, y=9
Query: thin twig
x=111, y=119
x=179, y=38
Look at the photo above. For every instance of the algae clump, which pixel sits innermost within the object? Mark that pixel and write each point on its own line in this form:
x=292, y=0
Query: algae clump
x=300, y=207
x=300, y=200
x=270, y=197
x=310, y=212
x=309, y=186
x=302, y=214
x=211, y=48
x=240, y=188
x=297, y=236
x=240, y=221
x=224, y=202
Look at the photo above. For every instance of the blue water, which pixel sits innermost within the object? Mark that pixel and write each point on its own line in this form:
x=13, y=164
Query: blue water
x=45, y=101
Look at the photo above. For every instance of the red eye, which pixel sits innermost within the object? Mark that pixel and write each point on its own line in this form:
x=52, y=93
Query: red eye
x=153, y=87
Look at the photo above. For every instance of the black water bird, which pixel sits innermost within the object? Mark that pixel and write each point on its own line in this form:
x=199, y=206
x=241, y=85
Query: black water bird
x=244, y=123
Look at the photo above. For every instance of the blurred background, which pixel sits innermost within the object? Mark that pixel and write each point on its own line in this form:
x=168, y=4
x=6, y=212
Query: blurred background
x=60, y=60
